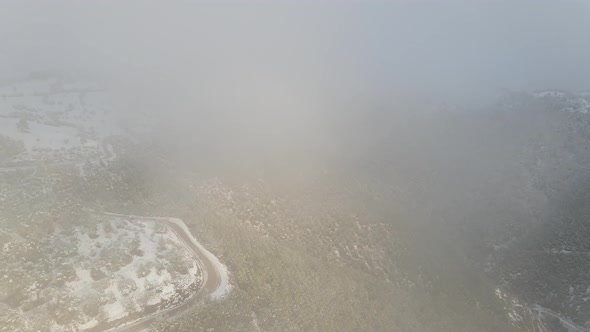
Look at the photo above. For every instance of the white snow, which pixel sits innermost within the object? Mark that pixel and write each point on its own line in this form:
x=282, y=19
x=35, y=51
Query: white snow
x=83, y=286
x=224, y=286
x=124, y=290
x=42, y=136
x=61, y=116
x=549, y=93
x=89, y=324
x=115, y=311
x=569, y=102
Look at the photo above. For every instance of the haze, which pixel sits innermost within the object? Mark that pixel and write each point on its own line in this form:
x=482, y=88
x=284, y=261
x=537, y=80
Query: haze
x=305, y=166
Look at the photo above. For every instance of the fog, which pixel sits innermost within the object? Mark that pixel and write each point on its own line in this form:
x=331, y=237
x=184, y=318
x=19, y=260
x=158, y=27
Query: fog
x=459, y=46
x=293, y=65
x=354, y=165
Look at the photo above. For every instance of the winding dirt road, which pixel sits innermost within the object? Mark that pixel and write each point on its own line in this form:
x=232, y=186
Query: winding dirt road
x=214, y=285
x=568, y=324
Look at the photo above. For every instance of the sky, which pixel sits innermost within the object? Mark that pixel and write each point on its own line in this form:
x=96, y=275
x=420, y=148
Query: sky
x=320, y=50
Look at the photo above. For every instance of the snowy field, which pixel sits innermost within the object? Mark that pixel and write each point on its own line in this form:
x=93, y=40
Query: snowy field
x=54, y=116
x=568, y=102
x=108, y=270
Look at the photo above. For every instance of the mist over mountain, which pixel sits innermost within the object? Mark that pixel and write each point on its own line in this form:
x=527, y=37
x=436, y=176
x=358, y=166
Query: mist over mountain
x=310, y=166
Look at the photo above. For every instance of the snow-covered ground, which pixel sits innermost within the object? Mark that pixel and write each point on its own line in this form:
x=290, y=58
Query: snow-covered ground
x=224, y=286
x=55, y=115
x=541, y=314
x=568, y=102
x=111, y=269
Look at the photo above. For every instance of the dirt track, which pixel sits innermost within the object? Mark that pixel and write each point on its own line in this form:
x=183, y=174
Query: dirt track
x=214, y=280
